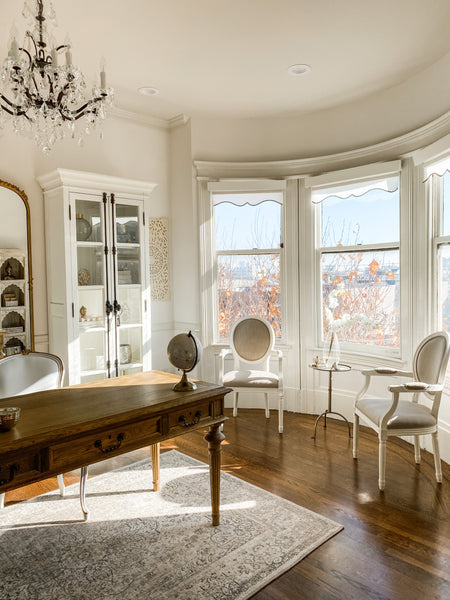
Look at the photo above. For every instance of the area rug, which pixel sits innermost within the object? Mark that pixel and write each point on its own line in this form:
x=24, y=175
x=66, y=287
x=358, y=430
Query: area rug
x=153, y=545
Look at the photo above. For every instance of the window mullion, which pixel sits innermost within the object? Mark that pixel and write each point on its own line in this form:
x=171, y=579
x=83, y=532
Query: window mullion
x=250, y=252
x=360, y=248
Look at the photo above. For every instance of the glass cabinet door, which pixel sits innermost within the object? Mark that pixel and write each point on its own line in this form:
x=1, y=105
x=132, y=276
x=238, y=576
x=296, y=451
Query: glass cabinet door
x=91, y=273
x=129, y=287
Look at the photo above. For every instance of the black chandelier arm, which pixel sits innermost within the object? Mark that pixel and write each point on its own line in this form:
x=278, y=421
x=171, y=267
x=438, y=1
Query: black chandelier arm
x=15, y=109
x=30, y=35
x=74, y=115
x=28, y=54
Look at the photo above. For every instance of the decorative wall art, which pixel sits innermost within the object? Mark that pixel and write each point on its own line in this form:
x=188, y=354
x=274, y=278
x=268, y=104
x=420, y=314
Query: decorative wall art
x=159, y=258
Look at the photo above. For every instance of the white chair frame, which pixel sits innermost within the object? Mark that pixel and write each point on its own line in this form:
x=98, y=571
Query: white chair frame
x=431, y=389
x=12, y=387
x=263, y=362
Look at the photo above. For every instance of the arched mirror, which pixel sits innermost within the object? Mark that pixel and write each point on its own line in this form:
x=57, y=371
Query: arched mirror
x=16, y=289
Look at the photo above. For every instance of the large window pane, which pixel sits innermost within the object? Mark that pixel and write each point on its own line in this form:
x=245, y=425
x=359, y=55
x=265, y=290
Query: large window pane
x=247, y=227
x=444, y=297
x=248, y=285
x=361, y=296
x=372, y=218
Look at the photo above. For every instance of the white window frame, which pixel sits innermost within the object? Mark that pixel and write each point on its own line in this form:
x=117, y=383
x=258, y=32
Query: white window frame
x=366, y=173
x=435, y=193
x=209, y=253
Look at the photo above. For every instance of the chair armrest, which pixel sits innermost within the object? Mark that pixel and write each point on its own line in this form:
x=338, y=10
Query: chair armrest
x=380, y=371
x=279, y=354
x=414, y=387
x=387, y=371
x=223, y=353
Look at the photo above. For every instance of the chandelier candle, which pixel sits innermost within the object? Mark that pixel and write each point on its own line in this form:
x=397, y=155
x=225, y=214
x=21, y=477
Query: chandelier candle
x=42, y=98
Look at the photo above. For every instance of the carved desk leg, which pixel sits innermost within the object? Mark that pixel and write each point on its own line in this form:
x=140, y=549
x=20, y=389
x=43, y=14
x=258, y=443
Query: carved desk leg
x=155, y=448
x=214, y=438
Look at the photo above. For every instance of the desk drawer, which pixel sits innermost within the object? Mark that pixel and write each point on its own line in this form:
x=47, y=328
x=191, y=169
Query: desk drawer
x=190, y=415
x=93, y=447
x=19, y=469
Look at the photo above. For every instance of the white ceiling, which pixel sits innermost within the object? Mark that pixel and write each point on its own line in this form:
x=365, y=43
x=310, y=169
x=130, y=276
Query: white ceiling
x=229, y=58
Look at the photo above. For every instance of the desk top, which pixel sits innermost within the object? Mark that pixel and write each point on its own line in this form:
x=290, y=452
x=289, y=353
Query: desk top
x=81, y=408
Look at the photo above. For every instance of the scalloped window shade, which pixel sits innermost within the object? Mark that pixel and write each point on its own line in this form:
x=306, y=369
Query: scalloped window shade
x=438, y=168
x=253, y=199
x=388, y=184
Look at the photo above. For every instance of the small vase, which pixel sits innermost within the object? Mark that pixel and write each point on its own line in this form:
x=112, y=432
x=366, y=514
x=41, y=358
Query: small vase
x=331, y=351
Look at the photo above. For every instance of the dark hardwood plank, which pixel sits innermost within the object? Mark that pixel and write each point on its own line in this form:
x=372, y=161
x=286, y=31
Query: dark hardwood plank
x=395, y=544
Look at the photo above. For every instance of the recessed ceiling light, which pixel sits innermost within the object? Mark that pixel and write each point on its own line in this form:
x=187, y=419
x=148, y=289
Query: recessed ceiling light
x=149, y=91
x=299, y=69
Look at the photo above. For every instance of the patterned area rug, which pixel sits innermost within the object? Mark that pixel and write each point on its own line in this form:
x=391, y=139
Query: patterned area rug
x=153, y=545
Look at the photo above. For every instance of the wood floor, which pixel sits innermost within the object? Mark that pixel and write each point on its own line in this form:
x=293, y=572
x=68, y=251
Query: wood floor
x=395, y=545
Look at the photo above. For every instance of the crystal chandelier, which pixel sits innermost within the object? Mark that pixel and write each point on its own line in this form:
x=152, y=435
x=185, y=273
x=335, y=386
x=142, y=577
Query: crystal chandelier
x=43, y=98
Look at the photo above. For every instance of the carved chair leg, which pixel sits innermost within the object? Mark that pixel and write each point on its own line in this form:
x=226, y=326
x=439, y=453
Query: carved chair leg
x=417, y=449
x=437, y=457
x=382, y=464
x=235, y=403
x=280, y=412
x=62, y=487
x=83, y=481
x=266, y=400
x=355, y=435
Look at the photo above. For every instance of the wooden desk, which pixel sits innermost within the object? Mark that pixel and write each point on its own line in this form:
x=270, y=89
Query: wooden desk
x=68, y=428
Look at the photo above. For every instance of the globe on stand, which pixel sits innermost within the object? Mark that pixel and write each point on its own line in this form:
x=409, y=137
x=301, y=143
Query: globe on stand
x=184, y=351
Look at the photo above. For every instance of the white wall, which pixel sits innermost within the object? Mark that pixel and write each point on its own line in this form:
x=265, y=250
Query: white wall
x=128, y=149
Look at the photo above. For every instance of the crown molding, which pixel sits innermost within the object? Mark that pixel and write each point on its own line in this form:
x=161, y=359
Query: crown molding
x=395, y=148
x=178, y=121
x=93, y=181
x=147, y=120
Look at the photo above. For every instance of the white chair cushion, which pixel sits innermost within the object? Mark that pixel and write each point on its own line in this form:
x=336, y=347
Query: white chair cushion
x=251, y=379
x=408, y=415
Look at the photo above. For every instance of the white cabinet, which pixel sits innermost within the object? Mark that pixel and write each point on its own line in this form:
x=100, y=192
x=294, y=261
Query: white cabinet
x=97, y=274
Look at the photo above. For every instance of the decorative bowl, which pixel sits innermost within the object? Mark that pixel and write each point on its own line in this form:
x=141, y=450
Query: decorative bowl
x=8, y=417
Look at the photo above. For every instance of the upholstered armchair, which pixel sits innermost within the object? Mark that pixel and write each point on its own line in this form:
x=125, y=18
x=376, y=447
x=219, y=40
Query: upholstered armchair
x=252, y=345
x=403, y=415
x=32, y=372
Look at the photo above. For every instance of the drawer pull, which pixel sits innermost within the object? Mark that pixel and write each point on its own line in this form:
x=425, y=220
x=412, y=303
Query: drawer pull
x=194, y=421
x=12, y=471
x=98, y=444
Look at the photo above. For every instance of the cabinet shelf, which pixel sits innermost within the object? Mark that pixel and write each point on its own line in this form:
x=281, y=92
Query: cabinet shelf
x=92, y=288
x=92, y=372
x=130, y=325
x=87, y=329
x=90, y=244
x=127, y=366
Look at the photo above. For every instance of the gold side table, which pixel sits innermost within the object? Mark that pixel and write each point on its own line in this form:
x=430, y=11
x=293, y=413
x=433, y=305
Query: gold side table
x=330, y=370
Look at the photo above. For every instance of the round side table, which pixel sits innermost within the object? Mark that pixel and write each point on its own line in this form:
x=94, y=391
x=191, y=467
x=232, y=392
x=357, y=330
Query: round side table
x=330, y=370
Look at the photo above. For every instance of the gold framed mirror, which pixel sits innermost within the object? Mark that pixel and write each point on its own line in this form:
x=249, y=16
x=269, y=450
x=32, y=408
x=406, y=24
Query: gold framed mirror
x=16, y=281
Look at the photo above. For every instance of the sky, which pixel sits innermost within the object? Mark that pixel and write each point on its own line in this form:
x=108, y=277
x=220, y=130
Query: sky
x=369, y=219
